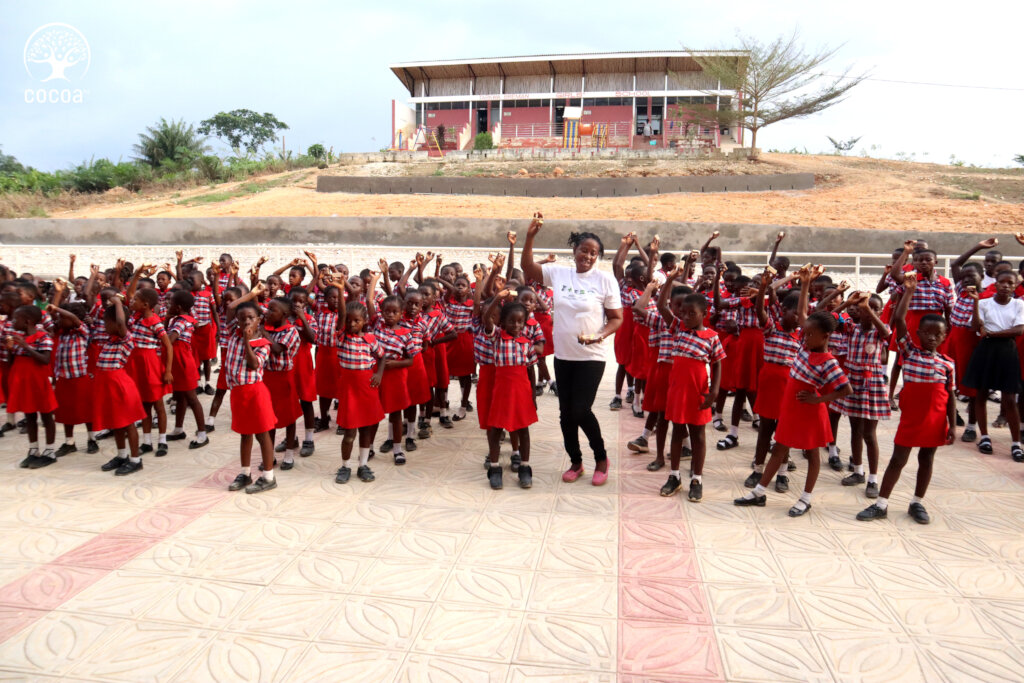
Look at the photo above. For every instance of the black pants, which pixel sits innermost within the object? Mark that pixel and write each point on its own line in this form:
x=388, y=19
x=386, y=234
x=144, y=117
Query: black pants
x=577, y=388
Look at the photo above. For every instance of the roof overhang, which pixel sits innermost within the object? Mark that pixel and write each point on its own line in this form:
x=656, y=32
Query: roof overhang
x=532, y=65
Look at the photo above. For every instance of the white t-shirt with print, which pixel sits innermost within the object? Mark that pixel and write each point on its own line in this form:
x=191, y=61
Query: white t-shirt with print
x=580, y=300
x=998, y=317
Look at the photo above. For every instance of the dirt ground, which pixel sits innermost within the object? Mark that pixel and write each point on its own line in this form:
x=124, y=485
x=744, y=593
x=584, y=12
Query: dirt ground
x=849, y=192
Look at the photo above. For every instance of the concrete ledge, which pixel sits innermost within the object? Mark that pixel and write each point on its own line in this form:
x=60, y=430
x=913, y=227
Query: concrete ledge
x=564, y=187
x=450, y=232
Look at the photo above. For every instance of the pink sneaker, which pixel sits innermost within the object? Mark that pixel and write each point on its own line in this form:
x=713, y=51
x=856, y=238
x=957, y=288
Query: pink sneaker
x=600, y=478
x=571, y=475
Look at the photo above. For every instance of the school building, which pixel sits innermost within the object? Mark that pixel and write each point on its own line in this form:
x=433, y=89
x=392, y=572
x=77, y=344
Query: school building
x=615, y=99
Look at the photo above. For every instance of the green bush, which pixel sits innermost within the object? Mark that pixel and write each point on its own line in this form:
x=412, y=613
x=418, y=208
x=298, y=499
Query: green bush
x=210, y=167
x=483, y=141
x=317, y=151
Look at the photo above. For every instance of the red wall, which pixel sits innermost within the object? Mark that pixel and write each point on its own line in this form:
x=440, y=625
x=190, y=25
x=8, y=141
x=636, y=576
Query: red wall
x=524, y=115
x=608, y=114
x=453, y=119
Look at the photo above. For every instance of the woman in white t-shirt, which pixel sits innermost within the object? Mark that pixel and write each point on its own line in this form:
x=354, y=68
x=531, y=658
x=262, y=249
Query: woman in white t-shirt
x=994, y=364
x=587, y=310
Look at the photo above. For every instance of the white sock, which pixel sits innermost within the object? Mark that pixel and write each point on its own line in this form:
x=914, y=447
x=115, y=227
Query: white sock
x=1015, y=443
x=759, y=469
x=882, y=502
x=805, y=497
x=12, y=419
x=70, y=441
x=268, y=474
x=686, y=442
x=697, y=478
x=48, y=452
x=201, y=436
x=309, y=435
x=734, y=430
x=645, y=433
x=162, y=438
x=136, y=460
x=872, y=478
x=178, y=430
x=397, y=450
x=410, y=427
x=973, y=426
x=629, y=387
x=637, y=400
x=33, y=445
x=247, y=471
x=515, y=453
x=755, y=492
x=858, y=469
x=674, y=473
x=147, y=439
x=833, y=451
x=289, y=455
x=915, y=499
x=92, y=436
x=364, y=456
x=122, y=452
x=756, y=417
x=211, y=420
x=444, y=412
x=619, y=395
x=716, y=416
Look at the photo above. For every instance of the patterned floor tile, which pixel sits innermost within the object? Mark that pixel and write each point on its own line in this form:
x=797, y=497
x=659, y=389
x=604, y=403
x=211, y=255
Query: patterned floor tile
x=139, y=652
x=763, y=654
x=571, y=556
x=287, y=611
x=754, y=605
x=329, y=571
x=875, y=658
x=842, y=607
x=365, y=621
x=57, y=642
x=123, y=593
x=491, y=586
x=556, y=640
x=495, y=522
x=537, y=674
x=48, y=586
x=329, y=661
x=201, y=603
x=429, y=546
x=651, y=650
x=652, y=600
x=659, y=562
x=1005, y=615
x=514, y=553
x=236, y=657
x=177, y=556
x=982, y=580
x=394, y=578
x=469, y=631
x=972, y=660
x=432, y=669
x=254, y=564
x=574, y=594
x=727, y=566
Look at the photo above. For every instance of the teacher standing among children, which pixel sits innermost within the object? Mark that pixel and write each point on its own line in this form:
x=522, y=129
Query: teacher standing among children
x=586, y=311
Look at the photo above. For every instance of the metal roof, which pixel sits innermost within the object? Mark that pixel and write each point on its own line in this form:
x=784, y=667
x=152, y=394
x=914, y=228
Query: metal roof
x=530, y=65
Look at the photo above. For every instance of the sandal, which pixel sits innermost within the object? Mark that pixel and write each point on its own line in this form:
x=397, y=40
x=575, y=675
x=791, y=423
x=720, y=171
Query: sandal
x=727, y=443
x=719, y=425
x=1017, y=453
x=985, y=445
x=654, y=466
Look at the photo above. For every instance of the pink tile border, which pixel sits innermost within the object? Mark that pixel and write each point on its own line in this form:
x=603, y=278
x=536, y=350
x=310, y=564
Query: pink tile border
x=32, y=596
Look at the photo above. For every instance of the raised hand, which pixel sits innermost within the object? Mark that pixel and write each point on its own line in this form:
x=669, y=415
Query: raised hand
x=550, y=258
x=511, y=237
x=992, y=242
x=478, y=272
x=535, y=224
x=910, y=282
x=780, y=237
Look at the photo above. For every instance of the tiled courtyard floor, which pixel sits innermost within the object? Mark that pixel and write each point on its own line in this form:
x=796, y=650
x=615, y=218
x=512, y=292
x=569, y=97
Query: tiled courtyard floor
x=428, y=575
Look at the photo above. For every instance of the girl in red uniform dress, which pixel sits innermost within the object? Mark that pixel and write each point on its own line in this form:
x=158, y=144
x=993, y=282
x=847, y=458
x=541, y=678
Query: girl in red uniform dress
x=225, y=314
x=204, y=340
x=869, y=402
x=29, y=389
x=117, y=405
x=278, y=374
x=629, y=291
x=690, y=396
x=460, y=351
x=514, y=408
x=327, y=368
x=927, y=407
x=252, y=409
x=545, y=300
x=803, y=418
x=483, y=349
x=782, y=341
x=74, y=385
x=439, y=333
x=419, y=381
x=359, y=408
x=399, y=349
x=725, y=313
x=180, y=327
x=153, y=375
x=305, y=377
x=746, y=357
x=963, y=339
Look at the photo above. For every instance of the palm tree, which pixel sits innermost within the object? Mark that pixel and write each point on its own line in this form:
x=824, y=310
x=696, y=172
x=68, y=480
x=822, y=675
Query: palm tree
x=172, y=141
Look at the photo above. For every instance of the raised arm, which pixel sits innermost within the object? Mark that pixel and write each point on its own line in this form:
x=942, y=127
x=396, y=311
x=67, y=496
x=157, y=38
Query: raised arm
x=251, y=295
x=805, y=293
x=775, y=247
x=531, y=269
x=652, y=260
x=511, y=237
x=759, y=309
x=899, y=314
x=121, y=327
x=864, y=302
x=897, y=268
x=640, y=305
x=478, y=275
x=663, y=295
x=403, y=281
x=955, y=267
x=707, y=244
x=371, y=302
x=620, y=256
x=71, y=268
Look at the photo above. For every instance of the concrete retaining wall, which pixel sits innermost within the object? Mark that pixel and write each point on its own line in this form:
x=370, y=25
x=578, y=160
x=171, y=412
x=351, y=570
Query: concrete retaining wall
x=528, y=153
x=450, y=232
x=563, y=187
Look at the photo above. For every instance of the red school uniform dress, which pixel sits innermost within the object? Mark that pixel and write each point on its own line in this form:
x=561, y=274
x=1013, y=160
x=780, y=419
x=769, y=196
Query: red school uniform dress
x=163, y=297
x=866, y=373
x=728, y=311
x=97, y=335
x=359, y=402
x=962, y=337
x=639, y=359
x=547, y=324
x=397, y=343
x=305, y=375
x=184, y=371
x=74, y=389
x=327, y=368
x=806, y=425
x=483, y=354
x=419, y=378
x=460, y=350
x=224, y=332
x=6, y=326
x=29, y=389
x=116, y=401
x=924, y=398
x=930, y=296
x=624, y=335
x=660, y=341
x=692, y=352
x=512, y=408
x=252, y=408
x=748, y=348
x=438, y=326
x=145, y=365
x=780, y=348
x=204, y=339
x=279, y=377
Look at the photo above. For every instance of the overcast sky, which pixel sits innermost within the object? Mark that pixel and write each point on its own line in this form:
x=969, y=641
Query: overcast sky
x=322, y=67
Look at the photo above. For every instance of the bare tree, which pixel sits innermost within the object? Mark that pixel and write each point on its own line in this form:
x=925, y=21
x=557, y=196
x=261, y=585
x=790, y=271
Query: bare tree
x=843, y=146
x=777, y=81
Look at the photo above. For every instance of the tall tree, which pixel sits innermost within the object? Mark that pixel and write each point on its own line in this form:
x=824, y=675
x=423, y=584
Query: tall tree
x=243, y=128
x=777, y=81
x=169, y=142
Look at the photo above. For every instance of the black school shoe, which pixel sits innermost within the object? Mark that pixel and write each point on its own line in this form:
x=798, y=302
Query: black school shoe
x=321, y=425
x=515, y=462
x=410, y=444
x=91, y=446
x=41, y=461
x=494, y=477
x=872, y=512
x=781, y=483
x=985, y=444
x=306, y=449
x=525, y=476
x=853, y=480
x=113, y=463
x=759, y=501
x=145, y=448
x=210, y=390
x=161, y=450
x=616, y=404
x=177, y=437
x=240, y=482
x=343, y=475
x=261, y=485
x=696, y=491
x=835, y=463
x=387, y=446
x=654, y=466
x=66, y=448
x=128, y=467
x=751, y=481
x=671, y=486
x=1017, y=453
x=195, y=443
x=918, y=513
x=798, y=512
x=281, y=447
x=365, y=474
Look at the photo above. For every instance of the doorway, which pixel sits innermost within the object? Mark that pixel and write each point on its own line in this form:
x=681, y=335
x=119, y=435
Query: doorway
x=481, y=120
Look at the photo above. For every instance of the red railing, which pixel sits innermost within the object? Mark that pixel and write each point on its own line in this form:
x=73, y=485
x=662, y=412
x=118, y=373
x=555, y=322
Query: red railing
x=552, y=130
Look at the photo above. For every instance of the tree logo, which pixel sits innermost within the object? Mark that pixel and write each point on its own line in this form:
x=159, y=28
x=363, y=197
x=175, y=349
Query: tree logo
x=57, y=52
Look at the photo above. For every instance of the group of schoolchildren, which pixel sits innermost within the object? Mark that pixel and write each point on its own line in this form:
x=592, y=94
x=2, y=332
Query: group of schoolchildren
x=107, y=350
x=802, y=352
x=125, y=345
